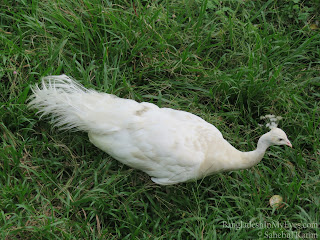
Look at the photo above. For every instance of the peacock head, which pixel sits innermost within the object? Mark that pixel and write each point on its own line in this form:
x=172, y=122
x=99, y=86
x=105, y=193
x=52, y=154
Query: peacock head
x=278, y=137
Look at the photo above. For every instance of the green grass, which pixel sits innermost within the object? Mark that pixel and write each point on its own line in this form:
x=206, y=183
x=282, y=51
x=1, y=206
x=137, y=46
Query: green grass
x=229, y=62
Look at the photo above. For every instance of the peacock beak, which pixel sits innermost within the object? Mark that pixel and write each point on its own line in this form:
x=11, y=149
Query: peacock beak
x=289, y=143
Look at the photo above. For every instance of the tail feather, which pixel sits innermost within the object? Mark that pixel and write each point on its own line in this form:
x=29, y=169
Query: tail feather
x=57, y=96
x=72, y=106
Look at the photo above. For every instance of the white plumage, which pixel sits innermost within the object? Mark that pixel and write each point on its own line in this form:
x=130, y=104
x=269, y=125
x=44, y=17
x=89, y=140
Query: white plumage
x=171, y=146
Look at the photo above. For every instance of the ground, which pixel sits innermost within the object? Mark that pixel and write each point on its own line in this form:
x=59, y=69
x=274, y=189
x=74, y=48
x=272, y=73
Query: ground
x=229, y=62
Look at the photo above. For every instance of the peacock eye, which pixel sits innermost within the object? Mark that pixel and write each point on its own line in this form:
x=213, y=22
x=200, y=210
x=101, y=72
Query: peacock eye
x=280, y=139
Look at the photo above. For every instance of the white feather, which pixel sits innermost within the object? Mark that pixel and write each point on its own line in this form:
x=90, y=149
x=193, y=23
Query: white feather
x=171, y=146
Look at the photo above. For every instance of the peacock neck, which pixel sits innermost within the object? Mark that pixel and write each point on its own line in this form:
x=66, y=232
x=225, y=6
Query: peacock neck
x=252, y=158
x=223, y=157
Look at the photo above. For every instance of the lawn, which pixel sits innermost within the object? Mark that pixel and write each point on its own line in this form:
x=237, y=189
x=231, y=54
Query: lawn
x=229, y=62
